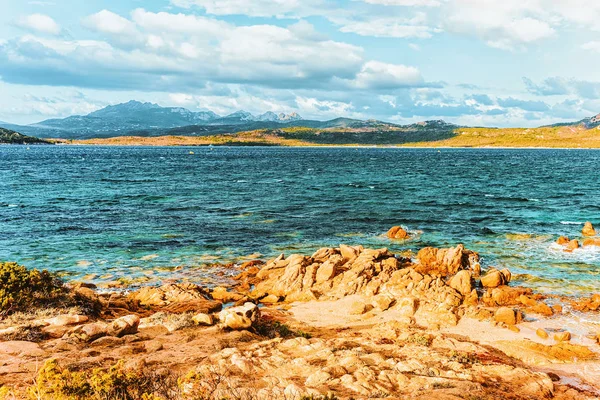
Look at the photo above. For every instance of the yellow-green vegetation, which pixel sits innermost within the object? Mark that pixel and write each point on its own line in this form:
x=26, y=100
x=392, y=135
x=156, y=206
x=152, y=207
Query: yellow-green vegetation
x=24, y=290
x=571, y=136
x=553, y=137
x=274, y=329
x=21, y=288
x=54, y=382
x=117, y=382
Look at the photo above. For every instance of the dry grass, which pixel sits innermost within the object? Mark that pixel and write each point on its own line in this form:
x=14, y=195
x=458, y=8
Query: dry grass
x=551, y=137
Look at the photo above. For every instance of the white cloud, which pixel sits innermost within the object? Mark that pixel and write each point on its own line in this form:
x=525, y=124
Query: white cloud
x=387, y=27
x=271, y=53
x=506, y=24
x=256, y=8
x=121, y=30
x=406, y=3
x=176, y=51
x=40, y=23
x=167, y=23
x=325, y=108
x=592, y=46
x=377, y=75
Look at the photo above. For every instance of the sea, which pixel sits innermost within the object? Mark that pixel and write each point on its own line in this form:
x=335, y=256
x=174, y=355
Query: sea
x=146, y=215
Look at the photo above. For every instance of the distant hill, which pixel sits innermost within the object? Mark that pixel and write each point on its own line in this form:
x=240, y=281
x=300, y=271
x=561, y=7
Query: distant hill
x=12, y=137
x=148, y=120
x=120, y=119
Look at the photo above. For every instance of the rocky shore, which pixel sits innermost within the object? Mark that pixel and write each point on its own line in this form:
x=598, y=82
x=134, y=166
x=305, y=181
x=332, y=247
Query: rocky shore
x=346, y=323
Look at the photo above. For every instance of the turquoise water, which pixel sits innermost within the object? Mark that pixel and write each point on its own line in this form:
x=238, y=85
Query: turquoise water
x=105, y=213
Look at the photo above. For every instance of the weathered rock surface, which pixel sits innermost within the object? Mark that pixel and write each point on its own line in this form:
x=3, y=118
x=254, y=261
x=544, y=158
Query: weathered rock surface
x=495, y=278
x=67, y=319
x=203, y=319
x=591, y=242
x=508, y=316
x=127, y=325
x=168, y=294
x=397, y=232
x=21, y=348
x=589, y=304
x=399, y=364
x=588, y=229
x=238, y=318
x=572, y=245
x=462, y=282
x=446, y=261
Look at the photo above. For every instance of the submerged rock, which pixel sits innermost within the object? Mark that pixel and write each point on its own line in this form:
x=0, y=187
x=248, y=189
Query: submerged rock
x=591, y=242
x=397, y=232
x=572, y=245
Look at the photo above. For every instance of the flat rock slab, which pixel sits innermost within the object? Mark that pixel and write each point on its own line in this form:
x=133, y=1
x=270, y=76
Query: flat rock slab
x=21, y=348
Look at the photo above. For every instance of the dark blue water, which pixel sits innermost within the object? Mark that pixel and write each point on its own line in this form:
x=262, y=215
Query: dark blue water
x=147, y=213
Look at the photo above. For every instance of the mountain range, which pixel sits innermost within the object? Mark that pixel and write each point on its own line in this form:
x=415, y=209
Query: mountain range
x=135, y=118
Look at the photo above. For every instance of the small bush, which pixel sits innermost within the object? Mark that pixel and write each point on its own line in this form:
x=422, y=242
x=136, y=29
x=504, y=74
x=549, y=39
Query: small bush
x=21, y=288
x=420, y=339
x=114, y=383
x=33, y=291
x=274, y=329
x=463, y=357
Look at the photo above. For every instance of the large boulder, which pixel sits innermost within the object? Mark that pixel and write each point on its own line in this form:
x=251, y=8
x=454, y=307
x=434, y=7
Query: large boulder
x=572, y=245
x=495, y=278
x=505, y=296
x=507, y=315
x=220, y=293
x=90, y=332
x=397, y=232
x=239, y=318
x=588, y=229
x=127, y=325
x=446, y=261
x=462, y=282
x=188, y=295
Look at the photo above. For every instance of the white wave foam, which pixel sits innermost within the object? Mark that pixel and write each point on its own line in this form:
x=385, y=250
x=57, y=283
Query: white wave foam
x=571, y=223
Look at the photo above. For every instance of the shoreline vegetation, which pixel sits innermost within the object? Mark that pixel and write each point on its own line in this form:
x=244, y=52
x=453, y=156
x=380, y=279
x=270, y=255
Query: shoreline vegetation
x=342, y=323
x=547, y=137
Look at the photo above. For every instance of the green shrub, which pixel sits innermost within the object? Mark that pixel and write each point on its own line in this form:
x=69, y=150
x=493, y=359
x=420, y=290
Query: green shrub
x=21, y=288
x=273, y=329
x=115, y=383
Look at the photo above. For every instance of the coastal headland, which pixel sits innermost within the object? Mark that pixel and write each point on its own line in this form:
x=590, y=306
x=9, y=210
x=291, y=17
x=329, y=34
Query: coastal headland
x=342, y=323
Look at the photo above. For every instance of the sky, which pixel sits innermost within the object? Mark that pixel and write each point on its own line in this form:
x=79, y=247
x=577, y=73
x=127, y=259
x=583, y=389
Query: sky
x=471, y=62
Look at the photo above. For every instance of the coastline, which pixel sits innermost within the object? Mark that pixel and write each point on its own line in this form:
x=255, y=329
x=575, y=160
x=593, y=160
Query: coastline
x=333, y=146
x=348, y=321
